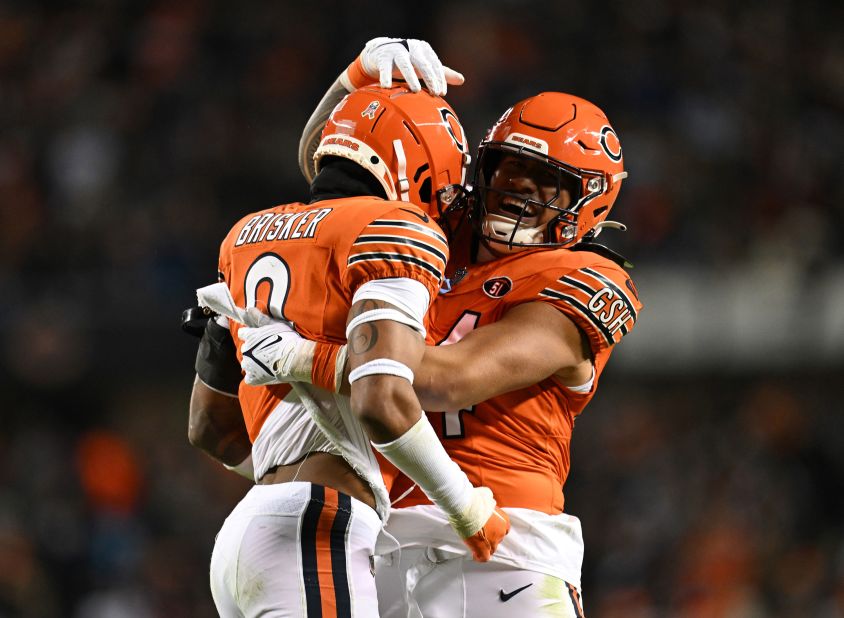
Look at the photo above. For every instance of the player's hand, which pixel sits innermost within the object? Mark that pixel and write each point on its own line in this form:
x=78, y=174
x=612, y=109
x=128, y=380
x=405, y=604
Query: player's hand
x=275, y=353
x=485, y=541
x=482, y=525
x=385, y=58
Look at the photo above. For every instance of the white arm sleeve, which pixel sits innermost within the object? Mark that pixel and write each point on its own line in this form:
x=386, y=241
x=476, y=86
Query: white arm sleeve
x=420, y=455
x=405, y=294
x=316, y=123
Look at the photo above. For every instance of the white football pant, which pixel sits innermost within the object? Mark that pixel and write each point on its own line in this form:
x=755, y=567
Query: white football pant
x=432, y=583
x=296, y=550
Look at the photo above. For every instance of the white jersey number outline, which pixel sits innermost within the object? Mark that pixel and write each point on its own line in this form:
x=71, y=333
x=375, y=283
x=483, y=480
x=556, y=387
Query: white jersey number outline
x=453, y=419
x=272, y=269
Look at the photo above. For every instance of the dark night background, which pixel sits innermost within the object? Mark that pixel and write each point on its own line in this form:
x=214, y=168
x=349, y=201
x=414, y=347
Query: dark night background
x=708, y=470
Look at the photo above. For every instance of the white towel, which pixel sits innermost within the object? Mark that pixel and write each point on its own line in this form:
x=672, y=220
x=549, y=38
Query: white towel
x=218, y=298
x=349, y=437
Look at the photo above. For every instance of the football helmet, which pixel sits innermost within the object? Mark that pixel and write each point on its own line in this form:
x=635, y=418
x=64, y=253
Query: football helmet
x=566, y=145
x=412, y=142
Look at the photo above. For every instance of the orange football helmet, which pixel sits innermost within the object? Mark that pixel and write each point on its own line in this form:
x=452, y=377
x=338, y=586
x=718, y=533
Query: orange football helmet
x=571, y=142
x=412, y=142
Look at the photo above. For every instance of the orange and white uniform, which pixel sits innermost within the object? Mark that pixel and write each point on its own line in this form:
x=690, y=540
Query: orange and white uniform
x=305, y=263
x=518, y=443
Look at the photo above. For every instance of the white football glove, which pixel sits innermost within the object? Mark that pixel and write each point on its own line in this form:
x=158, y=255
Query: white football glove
x=409, y=57
x=275, y=353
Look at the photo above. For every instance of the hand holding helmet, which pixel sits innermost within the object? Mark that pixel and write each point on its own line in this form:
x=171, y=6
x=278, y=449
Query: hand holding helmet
x=385, y=58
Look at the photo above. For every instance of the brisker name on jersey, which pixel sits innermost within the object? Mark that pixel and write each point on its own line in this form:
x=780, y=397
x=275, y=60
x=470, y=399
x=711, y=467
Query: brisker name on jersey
x=271, y=226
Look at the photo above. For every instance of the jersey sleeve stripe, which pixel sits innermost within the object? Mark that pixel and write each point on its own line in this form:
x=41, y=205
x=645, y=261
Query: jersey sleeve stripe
x=606, y=281
x=582, y=310
x=396, y=257
x=580, y=285
x=401, y=240
x=408, y=225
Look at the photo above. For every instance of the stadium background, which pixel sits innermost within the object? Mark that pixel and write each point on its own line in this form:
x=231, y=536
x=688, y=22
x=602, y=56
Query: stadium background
x=708, y=470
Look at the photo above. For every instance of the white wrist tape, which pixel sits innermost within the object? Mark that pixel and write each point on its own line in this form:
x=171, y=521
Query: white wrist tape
x=381, y=366
x=244, y=468
x=420, y=455
x=375, y=315
x=296, y=362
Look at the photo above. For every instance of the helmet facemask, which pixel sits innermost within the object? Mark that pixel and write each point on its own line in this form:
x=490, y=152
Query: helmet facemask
x=453, y=206
x=512, y=220
x=569, y=142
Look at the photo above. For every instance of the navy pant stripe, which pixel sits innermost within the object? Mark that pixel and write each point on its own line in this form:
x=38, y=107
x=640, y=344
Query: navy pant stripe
x=308, y=540
x=339, y=534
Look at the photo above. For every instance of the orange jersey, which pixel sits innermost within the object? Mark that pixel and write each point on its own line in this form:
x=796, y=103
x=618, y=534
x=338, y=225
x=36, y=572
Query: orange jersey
x=303, y=263
x=517, y=444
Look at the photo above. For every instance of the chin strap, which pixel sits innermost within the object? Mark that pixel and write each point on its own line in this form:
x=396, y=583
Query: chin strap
x=498, y=227
x=402, y=183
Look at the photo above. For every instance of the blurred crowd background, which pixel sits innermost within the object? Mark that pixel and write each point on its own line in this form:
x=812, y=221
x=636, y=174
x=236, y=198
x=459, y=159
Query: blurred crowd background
x=709, y=469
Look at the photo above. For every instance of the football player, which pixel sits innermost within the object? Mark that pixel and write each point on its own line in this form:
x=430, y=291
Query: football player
x=533, y=322
x=359, y=262
x=525, y=326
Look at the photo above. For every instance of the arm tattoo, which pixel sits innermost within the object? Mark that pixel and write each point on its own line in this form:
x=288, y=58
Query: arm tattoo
x=366, y=305
x=366, y=335
x=364, y=338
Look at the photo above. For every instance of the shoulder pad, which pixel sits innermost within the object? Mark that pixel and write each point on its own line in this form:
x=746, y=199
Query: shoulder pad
x=603, y=251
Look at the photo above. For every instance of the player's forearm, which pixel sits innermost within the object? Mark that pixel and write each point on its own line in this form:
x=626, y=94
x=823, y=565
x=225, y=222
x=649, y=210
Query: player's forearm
x=385, y=347
x=216, y=425
x=441, y=383
x=459, y=376
x=446, y=377
x=531, y=343
x=386, y=406
x=313, y=129
x=379, y=351
x=470, y=510
x=473, y=370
